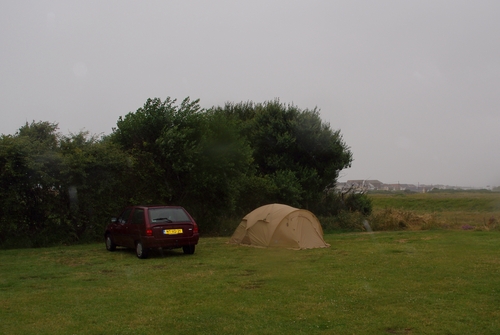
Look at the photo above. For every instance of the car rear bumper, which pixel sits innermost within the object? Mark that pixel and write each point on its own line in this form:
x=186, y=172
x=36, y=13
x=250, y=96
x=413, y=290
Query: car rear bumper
x=169, y=243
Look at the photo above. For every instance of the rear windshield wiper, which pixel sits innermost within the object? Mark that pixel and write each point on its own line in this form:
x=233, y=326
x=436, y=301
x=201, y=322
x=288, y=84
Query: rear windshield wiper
x=163, y=219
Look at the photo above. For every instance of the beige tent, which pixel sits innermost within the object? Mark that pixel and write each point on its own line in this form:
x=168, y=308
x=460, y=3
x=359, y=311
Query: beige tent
x=279, y=225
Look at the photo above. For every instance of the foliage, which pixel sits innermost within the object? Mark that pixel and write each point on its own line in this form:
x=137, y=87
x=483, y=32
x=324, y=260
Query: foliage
x=292, y=149
x=230, y=159
x=344, y=221
x=29, y=170
x=333, y=203
x=162, y=138
x=185, y=157
x=358, y=202
x=56, y=189
x=92, y=184
x=219, y=163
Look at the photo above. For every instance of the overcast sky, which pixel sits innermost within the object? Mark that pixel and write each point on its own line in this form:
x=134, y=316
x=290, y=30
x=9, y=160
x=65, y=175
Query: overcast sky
x=413, y=86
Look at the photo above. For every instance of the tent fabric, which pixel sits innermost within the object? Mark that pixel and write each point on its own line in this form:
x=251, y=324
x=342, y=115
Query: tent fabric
x=278, y=225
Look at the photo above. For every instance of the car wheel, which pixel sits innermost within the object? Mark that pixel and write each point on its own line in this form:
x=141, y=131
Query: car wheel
x=188, y=249
x=140, y=251
x=110, y=245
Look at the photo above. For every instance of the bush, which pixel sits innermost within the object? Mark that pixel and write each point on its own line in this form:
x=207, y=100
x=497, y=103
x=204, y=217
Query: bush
x=358, y=202
x=334, y=204
x=224, y=226
x=343, y=221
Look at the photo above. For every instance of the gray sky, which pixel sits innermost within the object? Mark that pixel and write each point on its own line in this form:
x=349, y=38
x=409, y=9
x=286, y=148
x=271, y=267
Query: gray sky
x=414, y=86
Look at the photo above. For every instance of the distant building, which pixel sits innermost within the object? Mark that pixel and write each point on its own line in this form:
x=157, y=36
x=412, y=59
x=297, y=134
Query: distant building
x=360, y=185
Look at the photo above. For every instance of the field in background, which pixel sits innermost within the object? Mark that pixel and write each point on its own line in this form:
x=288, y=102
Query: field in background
x=455, y=210
x=425, y=282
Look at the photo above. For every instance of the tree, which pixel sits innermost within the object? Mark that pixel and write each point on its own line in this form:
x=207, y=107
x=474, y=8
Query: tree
x=95, y=183
x=55, y=188
x=292, y=148
x=29, y=171
x=161, y=137
x=185, y=156
x=214, y=166
x=219, y=163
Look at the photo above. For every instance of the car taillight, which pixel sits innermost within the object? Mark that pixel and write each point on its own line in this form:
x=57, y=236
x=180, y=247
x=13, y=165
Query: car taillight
x=195, y=228
x=149, y=232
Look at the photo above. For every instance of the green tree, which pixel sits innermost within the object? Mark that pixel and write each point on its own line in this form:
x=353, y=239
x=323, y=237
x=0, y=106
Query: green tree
x=185, y=155
x=220, y=166
x=292, y=149
x=55, y=188
x=162, y=137
x=95, y=183
x=218, y=163
x=29, y=171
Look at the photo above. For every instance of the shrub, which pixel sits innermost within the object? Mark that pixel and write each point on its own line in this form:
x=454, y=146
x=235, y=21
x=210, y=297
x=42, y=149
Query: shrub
x=333, y=204
x=224, y=226
x=345, y=220
x=358, y=202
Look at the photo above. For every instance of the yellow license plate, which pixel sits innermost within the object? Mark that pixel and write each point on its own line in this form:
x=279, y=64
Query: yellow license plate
x=172, y=231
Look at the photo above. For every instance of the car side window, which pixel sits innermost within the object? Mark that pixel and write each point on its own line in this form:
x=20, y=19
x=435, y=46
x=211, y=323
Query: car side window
x=138, y=217
x=124, y=216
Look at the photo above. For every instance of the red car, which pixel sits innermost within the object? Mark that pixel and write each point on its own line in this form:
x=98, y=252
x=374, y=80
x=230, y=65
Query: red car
x=147, y=227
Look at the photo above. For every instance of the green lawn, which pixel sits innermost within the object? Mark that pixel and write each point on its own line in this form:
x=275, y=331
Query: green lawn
x=425, y=282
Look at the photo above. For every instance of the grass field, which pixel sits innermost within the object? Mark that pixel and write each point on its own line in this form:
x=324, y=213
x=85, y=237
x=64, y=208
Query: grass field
x=456, y=210
x=412, y=282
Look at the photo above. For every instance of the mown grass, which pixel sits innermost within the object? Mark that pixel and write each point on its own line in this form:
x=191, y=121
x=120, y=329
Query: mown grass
x=456, y=210
x=426, y=282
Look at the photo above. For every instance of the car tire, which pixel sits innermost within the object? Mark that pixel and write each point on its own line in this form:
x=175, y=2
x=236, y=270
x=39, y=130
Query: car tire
x=110, y=245
x=188, y=249
x=140, y=251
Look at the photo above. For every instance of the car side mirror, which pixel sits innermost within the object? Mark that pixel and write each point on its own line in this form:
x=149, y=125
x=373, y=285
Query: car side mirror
x=114, y=220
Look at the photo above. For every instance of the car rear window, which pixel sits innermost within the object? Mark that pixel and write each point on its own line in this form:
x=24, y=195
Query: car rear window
x=162, y=215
